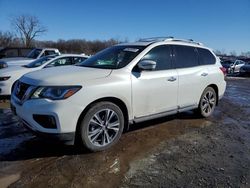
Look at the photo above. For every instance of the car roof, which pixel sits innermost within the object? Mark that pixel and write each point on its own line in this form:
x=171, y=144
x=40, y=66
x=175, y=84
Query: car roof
x=167, y=40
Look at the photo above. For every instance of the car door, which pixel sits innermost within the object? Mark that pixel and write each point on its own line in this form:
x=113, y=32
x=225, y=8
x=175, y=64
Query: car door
x=155, y=91
x=193, y=77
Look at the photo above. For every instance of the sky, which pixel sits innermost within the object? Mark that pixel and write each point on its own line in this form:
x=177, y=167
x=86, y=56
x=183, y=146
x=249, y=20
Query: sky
x=220, y=24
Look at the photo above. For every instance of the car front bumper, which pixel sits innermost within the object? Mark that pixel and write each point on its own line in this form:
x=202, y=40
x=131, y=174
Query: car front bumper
x=65, y=113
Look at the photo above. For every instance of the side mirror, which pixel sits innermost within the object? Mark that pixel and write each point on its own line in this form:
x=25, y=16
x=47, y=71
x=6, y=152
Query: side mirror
x=147, y=65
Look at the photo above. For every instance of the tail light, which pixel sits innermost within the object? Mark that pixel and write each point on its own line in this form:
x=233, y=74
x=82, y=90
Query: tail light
x=224, y=70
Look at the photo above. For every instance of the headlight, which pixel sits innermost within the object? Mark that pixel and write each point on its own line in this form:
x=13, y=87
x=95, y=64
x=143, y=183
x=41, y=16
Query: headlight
x=55, y=92
x=3, y=65
x=4, y=78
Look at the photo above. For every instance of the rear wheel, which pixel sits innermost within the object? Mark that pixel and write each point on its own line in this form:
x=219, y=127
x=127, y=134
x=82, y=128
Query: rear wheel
x=207, y=102
x=102, y=126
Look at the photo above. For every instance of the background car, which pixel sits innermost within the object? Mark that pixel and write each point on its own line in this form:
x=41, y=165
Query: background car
x=245, y=69
x=10, y=74
x=14, y=52
x=34, y=54
x=235, y=67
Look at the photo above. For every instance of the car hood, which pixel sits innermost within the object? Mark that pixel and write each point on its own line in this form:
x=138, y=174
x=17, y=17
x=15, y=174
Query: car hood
x=15, y=70
x=65, y=75
x=17, y=60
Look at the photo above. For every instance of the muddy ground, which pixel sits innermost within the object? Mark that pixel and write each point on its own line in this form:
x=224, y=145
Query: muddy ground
x=176, y=151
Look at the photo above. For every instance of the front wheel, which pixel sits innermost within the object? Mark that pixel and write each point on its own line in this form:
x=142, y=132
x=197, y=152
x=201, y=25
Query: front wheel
x=207, y=102
x=102, y=126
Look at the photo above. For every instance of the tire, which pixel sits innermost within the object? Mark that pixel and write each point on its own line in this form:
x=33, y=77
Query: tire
x=101, y=126
x=207, y=102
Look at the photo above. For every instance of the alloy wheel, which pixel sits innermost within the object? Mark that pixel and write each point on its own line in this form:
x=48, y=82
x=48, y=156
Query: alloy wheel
x=103, y=127
x=208, y=102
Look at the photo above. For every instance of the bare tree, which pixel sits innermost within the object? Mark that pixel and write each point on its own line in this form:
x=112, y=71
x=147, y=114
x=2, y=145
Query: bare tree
x=8, y=39
x=28, y=27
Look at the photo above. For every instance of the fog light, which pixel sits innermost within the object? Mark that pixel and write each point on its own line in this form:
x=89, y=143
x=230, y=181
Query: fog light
x=46, y=121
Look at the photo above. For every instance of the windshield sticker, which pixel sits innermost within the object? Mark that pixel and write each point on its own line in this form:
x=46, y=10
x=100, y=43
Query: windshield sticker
x=131, y=50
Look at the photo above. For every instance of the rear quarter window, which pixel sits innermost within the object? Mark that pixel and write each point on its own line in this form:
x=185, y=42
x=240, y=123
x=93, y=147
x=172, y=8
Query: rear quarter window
x=205, y=57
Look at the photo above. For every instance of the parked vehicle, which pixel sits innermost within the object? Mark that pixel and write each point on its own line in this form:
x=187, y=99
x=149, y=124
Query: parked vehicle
x=34, y=54
x=245, y=69
x=235, y=67
x=11, y=74
x=226, y=64
x=127, y=83
x=14, y=52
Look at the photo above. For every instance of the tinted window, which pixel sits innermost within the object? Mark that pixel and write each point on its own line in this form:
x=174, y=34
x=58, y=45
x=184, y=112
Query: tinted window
x=161, y=55
x=205, y=57
x=185, y=56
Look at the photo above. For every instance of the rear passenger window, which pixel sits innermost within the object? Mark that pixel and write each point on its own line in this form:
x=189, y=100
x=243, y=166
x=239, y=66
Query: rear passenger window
x=161, y=55
x=185, y=56
x=205, y=57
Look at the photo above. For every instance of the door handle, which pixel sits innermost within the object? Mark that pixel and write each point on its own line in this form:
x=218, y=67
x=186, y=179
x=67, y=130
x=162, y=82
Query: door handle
x=171, y=79
x=204, y=74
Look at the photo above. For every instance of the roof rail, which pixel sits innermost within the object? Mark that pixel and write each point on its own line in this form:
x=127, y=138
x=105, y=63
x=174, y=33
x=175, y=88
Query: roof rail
x=170, y=38
x=155, y=39
x=191, y=41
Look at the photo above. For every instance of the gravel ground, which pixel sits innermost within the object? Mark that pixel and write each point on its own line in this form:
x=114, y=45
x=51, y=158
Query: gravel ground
x=176, y=151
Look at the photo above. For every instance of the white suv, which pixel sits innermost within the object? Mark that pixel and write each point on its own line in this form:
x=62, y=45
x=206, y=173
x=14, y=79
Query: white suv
x=123, y=84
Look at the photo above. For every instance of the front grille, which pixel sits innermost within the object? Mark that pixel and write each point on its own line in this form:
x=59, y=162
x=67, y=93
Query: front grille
x=20, y=89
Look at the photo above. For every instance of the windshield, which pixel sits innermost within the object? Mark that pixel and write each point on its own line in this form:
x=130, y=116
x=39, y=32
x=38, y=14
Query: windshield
x=113, y=58
x=39, y=62
x=34, y=53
